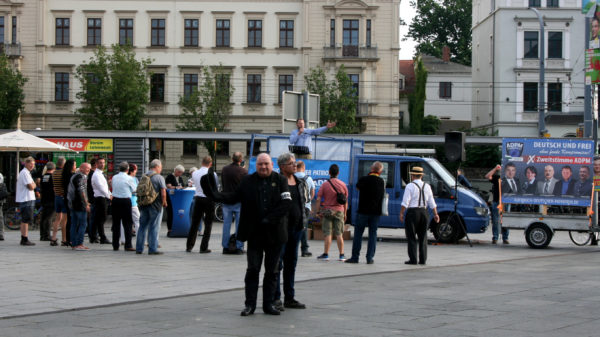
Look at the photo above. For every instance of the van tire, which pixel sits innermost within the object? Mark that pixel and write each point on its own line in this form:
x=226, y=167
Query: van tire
x=538, y=235
x=446, y=231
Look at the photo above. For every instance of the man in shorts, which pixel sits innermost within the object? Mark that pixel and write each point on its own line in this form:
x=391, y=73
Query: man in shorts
x=60, y=207
x=25, y=198
x=332, y=213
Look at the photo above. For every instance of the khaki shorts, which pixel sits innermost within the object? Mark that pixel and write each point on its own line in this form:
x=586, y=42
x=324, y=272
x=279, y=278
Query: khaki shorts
x=332, y=220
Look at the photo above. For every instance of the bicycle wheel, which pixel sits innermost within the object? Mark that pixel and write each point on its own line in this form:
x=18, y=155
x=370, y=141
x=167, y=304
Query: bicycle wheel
x=13, y=218
x=219, y=212
x=580, y=238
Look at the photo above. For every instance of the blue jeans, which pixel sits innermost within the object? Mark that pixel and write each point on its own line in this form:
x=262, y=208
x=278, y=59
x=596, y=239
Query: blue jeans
x=362, y=221
x=78, y=226
x=287, y=262
x=496, y=225
x=228, y=212
x=150, y=219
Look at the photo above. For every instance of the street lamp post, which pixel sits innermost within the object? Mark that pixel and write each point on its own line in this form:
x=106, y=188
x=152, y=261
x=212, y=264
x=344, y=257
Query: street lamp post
x=541, y=97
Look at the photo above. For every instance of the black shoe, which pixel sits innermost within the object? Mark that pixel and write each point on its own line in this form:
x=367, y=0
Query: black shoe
x=1, y=237
x=248, y=310
x=226, y=251
x=278, y=305
x=306, y=254
x=188, y=250
x=422, y=263
x=239, y=252
x=169, y=234
x=351, y=261
x=138, y=252
x=206, y=251
x=27, y=243
x=105, y=241
x=45, y=239
x=409, y=262
x=370, y=261
x=155, y=253
x=271, y=310
x=94, y=241
x=293, y=304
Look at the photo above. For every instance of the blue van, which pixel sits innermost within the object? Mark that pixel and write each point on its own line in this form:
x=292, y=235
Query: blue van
x=471, y=207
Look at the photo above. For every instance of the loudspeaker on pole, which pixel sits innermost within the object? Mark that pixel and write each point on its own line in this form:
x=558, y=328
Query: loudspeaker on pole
x=454, y=146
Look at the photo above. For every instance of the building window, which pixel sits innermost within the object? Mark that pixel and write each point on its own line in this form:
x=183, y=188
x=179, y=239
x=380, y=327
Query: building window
x=63, y=31
x=354, y=78
x=190, y=84
x=126, y=32
x=254, y=33
x=190, y=148
x=158, y=32
x=368, y=39
x=401, y=84
x=222, y=148
x=552, y=3
x=530, y=96
x=223, y=33
x=286, y=82
x=286, y=33
x=14, y=30
x=445, y=90
x=254, y=88
x=191, y=33
x=332, y=33
x=1, y=29
x=350, y=38
x=554, y=96
x=61, y=87
x=554, y=45
x=531, y=45
x=535, y=3
x=157, y=88
x=94, y=32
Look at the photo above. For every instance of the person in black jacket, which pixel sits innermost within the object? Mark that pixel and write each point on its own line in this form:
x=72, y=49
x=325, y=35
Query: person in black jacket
x=265, y=199
x=370, y=200
x=47, y=189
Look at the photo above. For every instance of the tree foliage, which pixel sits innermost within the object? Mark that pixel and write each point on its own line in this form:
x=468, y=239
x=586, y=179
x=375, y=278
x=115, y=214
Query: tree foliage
x=338, y=99
x=440, y=23
x=12, y=96
x=114, y=90
x=207, y=108
x=416, y=100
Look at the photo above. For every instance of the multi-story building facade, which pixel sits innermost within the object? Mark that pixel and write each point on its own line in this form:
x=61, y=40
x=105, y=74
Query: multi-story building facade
x=266, y=46
x=505, y=66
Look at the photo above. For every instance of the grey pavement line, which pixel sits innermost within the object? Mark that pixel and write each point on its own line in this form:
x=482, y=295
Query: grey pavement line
x=421, y=268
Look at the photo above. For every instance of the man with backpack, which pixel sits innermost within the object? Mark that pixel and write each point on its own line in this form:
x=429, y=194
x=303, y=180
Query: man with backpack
x=301, y=173
x=152, y=198
x=333, y=199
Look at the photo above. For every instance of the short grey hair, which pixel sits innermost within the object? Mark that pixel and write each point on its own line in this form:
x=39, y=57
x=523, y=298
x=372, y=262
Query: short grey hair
x=50, y=166
x=155, y=163
x=123, y=166
x=378, y=166
x=60, y=162
x=179, y=168
x=285, y=158
x=192, y=169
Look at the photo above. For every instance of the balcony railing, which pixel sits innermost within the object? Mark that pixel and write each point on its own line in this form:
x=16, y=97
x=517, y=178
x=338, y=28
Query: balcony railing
x=350, y=52
x=10, y=49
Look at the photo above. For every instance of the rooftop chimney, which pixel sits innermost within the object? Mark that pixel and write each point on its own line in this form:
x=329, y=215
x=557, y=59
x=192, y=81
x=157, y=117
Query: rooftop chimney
x=446, y=54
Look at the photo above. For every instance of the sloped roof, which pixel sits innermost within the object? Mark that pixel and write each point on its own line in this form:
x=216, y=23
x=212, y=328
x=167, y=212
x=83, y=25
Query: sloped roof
x=436, y=65
x=407, y=68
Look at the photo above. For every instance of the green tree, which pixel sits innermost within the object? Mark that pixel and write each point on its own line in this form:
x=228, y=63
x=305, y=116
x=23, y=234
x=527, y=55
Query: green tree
x=114, y=90
x=207, y=108
x=440, y=23
x=338, y=99
x=431, y=125
x=12, y=96
x=416, y=100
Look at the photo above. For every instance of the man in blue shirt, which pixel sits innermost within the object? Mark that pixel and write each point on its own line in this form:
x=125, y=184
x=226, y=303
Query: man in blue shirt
x=303, y=136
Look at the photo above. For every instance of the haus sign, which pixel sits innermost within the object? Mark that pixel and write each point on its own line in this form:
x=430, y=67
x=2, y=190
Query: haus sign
x=85, y=144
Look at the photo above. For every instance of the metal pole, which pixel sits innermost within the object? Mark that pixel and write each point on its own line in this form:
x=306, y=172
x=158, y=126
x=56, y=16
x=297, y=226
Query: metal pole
x=541, y=99
x=587, y=97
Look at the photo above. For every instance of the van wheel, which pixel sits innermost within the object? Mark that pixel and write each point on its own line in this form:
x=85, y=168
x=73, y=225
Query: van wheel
x=538, y=235
x=447, y=230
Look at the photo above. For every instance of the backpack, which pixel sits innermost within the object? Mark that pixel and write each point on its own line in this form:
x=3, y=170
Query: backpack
x=339, y=197
x=306, y=189
x=3, y=192
x=145, y=191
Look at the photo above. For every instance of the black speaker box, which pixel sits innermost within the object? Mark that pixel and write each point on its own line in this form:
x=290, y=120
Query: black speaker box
x=454, y=146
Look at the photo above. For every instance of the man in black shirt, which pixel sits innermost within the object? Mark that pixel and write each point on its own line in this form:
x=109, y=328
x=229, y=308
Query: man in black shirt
x=494, y=178
x=173, y=181
x=370, y=200
x=289, y=254
x=265, y=199
x=47, y=189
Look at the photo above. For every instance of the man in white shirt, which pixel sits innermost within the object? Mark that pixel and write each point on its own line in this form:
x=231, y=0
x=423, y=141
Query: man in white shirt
x=101, y=197
x=25, y=198
x=204, y=208
x=417, y=197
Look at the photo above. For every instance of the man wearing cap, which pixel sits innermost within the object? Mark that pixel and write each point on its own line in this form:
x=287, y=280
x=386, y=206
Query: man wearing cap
x=417, y=197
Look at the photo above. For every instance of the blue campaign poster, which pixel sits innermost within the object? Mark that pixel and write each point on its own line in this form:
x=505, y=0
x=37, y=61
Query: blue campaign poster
x=547, y=171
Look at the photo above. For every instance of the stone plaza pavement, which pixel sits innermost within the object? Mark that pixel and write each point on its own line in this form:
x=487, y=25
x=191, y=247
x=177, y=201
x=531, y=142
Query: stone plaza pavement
x=484, y=290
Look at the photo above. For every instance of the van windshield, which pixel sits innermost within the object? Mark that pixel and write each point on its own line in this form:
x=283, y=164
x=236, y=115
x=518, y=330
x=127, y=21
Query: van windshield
x=441, y=170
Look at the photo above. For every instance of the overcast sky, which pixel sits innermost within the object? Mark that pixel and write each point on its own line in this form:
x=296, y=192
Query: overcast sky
x=407, y=48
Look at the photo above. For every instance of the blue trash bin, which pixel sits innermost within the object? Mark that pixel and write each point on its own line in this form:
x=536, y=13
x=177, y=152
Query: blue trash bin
x=181, y=201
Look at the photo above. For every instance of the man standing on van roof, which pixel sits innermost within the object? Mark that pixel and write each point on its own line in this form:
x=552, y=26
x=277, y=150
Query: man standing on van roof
x=302, y=137
x=417, y=197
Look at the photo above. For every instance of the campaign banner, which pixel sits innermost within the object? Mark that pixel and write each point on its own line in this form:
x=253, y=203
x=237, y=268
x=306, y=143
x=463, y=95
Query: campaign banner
x=318, y=170
x=84, y=145
x=547, y=171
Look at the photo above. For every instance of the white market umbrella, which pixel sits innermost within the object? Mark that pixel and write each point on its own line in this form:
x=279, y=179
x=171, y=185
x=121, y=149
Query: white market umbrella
x=18, y=140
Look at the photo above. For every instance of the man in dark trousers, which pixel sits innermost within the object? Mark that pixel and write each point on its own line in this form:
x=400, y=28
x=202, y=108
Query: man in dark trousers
x=231, y=177
x=204, y=208
x=494, y=177
x=370, y=200
x=102, y=196
x=417, y=197
x=47, y=188
x=265, y=199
